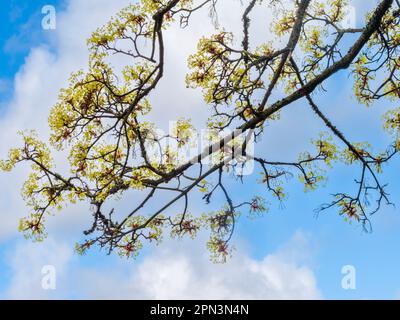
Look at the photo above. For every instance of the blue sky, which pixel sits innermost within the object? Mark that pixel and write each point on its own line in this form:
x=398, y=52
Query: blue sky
x=293, y=237
x=18, y=34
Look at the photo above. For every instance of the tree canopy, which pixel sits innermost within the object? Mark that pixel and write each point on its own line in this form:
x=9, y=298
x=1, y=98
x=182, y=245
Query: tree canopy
x=102, y=120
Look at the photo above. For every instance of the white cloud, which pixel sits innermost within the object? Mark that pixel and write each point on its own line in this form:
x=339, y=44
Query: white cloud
x=26, y=262
x=177, y=270
x=179, y=275
x=37, y=84
x=47, y=69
